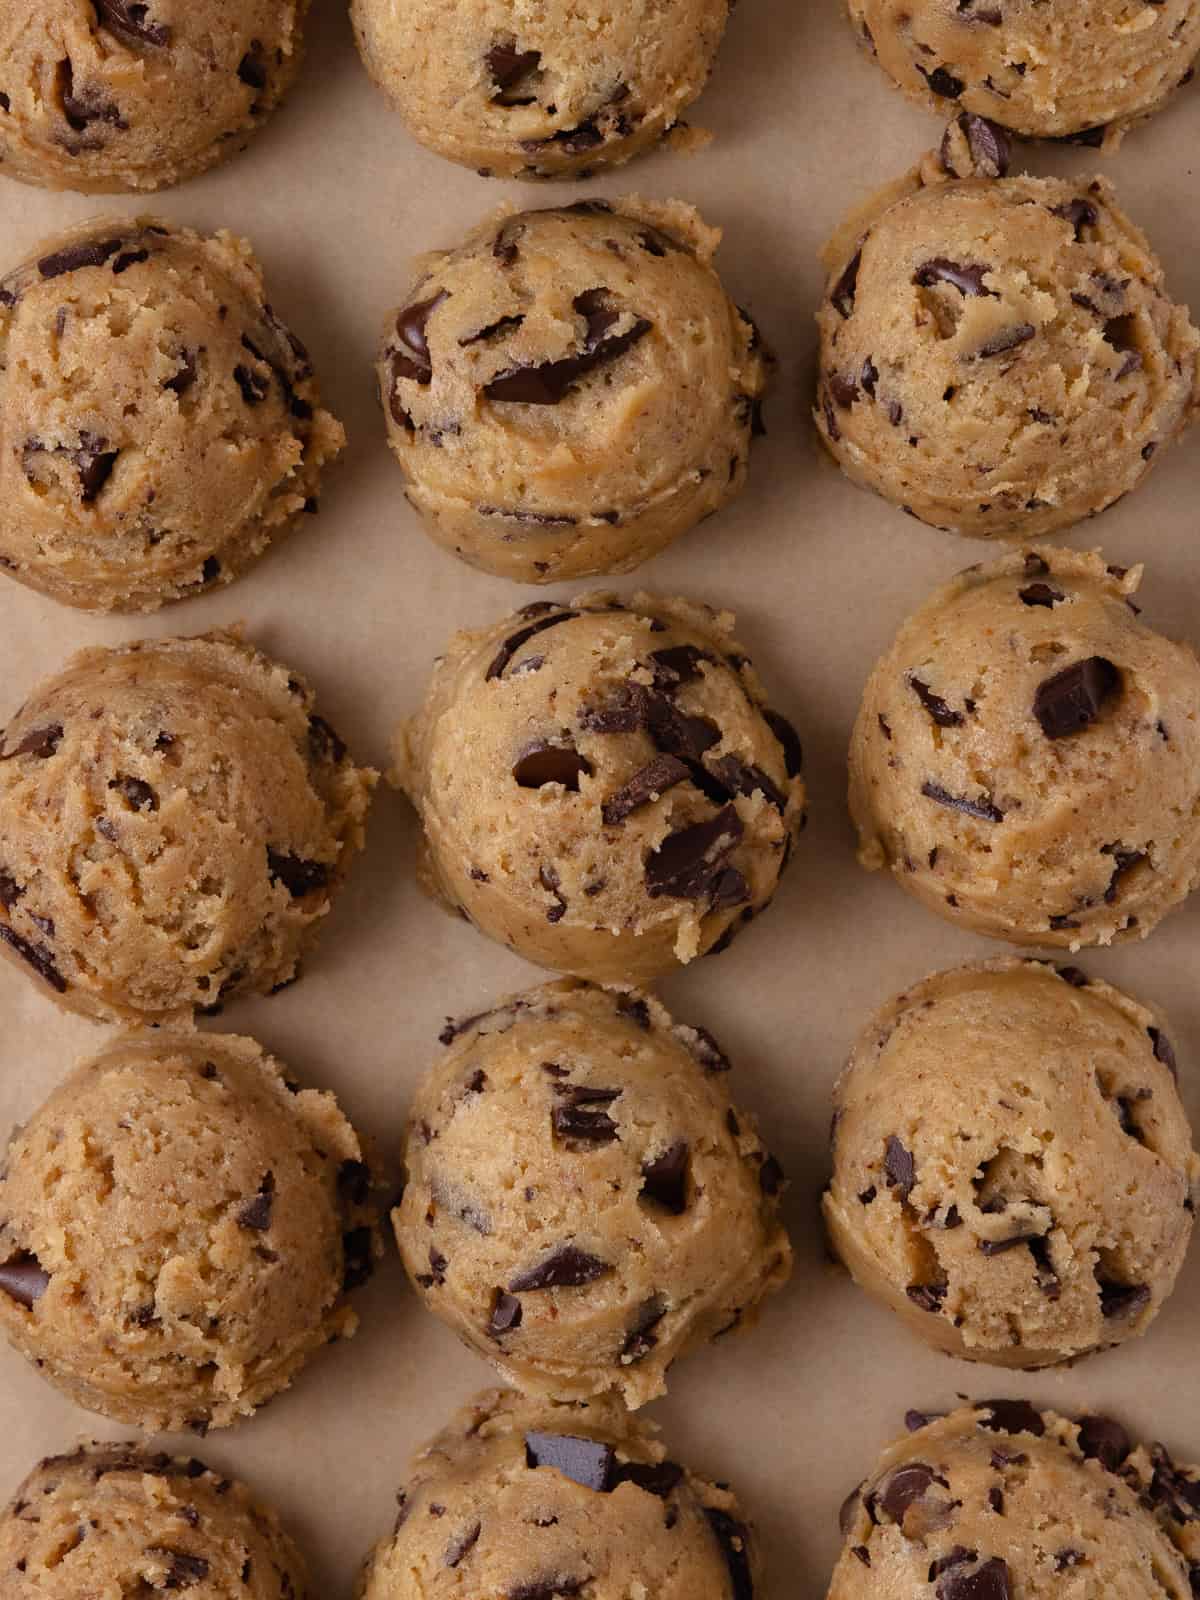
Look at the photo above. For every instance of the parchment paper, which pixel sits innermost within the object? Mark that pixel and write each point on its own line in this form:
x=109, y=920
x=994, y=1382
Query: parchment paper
x=336, y=198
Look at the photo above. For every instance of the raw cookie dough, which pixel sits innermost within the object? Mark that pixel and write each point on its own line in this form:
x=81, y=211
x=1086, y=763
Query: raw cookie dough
x=1025, y=757
x=181, y=1222
x=999, y=356
x=159, y=425
x=553, y=90
x=1012, y=1167
x=174, y=819
x=998, y=1501
x=1048, y=69
x=602, y=786
x=105, y=95
x=571, y=390
x=532, y=1501
x=113, y=1520
x=644, y=1216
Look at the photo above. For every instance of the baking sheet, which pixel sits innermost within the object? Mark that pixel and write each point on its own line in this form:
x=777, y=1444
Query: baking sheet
x=335, y=199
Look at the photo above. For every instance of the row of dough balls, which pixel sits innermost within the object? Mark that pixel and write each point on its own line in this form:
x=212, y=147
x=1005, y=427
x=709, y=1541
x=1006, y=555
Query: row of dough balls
x=184, y=1222
x=106, y=95
x=570, y=390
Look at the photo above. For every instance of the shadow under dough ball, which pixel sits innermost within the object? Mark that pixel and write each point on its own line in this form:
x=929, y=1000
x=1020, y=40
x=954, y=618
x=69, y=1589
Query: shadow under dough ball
x=159, y=424
x=1079, y=70
x=119, y=1519
x=571, y=390
x=999, y=1501
x=559, y=89
x=182, y=1223
x=1026, y=753
x=534, y=1501
x=999, y=356
x=174, y=820
x=646, y=1216
x=1013, y=1170
x=602, y=786
x=110, y=95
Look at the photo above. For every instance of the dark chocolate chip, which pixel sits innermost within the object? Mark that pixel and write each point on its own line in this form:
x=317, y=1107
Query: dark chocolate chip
x=676, y=665
x=181, y=381
x=734, y=1540
x=587, y=1462
x=659, y=1478
x=634, y=1009
x=255, y=1215
x=965, y=276
x=1010, y=339
x=23, y=1279
x=940, y=710
x=541, y=763
x=298, y=876
x=988, y=1582
x=1079, y=213
x=579, y=1117
x=1120, y=333
x=665, y=1178
x=737, y=778
x=88, y=253
x=1074, y=976
x=957, y=1556
x=1122, y=1299
x=641, y=1338
x=1164, y=1051
x=926, y=1296
x=1074, y=698
x=689, y=864
x=506, y=1314
x=1010, y=1416
x=127, y=259
x=354, y=1183
x=137, y=793
x=40, y=742
x=843, y=292
x=507, y=65
x=252, y=68
x=904, y=1487
x=512, y=644
x=551, y=382
x=942, y=82
x=1101, y=1439
x=549, y=1588
x=1041, y=594
x=411, y=359
x=984, y=810
x=461, y=1546
x=253, y=385
x=36, y=956
x=358, y=1258
x=914, y=1421
x=899, y=1167
x=999, y=1247
x=567, y=1267
x=184, y=1570
x=988, y=144
x=95, y=463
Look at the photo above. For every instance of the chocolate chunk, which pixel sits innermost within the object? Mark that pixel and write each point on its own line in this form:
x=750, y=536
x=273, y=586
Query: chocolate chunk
x=183, y=380
x=412, y=359
x=40, y=742
x=507, y=66
x=1074, y=698
x=95, y=463
x=1103, y=1440
x=1066, y=1559
x=1122, y=1299
x=10, y=891
x=942, y=82
x=511, y=645
x=358, y=1258
x=940, y=710
x=1172, y=1490
x=899, y=1167
x=541, y=763
x=967, y=277
x=999, y=1247
x=551, y=1588
x=1074, y=976
x=87, y=253
x=579, y=1117
x=664, y=1179
x=1007, y=340
x=551, y=382
x=354, y=1183
x=988, y=1582
x=706, y=1051
x=506, y=1314
x=461, y=1546
x=567, y=1267
x=641, y=1338
x=255, y=1215
x=677, y=665
x=659, y=1478
x=1047, y=1278
x=1164, y=1051
x=36, y=956
x=130, y=20
x=843, y=292
x=1125, y=861
x=983, y=810
x=737, y=778
x=988, y=144
x=550, y=881
x=299, y=877
x=734, y=1540
x=253, y=385
x=1041, y=594
x=127, y=259
x=1010, y=1416
x=501, y=325
x=252, y=68
x=902, y=1489
x=689, y=864
x=1079, y=213
x=926, y=1296
x=957, y=1556
x=585, y=1461
x=23, y=1279
x=634, y=1009
x=184, y=1570
x=1121, y=334
x=139, y=795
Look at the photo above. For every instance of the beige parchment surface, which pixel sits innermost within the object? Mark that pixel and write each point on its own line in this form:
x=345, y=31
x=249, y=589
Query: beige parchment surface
x=336, y=199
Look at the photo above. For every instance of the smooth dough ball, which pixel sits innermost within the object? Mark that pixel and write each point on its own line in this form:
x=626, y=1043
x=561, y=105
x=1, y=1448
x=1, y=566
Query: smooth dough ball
x=181, y=1222
x=105, y=95
x=1025, y=757
x=117, y=1519
x=159, y=425
x=174, y=820
x=1047, y=69
x=999, y=356
x=571, y=390
x=1012, y=1166
x=530, y=1500
x=998, y=1501
x=555, y=90
x=602, y=787
x=583, y=1204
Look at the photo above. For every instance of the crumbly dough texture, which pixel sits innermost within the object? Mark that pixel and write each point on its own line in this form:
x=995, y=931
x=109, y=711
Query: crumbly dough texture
x=112, y=1520
x=570, y=390
x=601, y=785
x=159, y=424
x=999, y=356
x=181, y=1222
x=525, y=1499
x=1012, y=1166
x=1047, y=69
x=174, y=820
x=1025, y=756
x=554, y=90
x=110, y=95
x=999, y=1501
x=583, y=1203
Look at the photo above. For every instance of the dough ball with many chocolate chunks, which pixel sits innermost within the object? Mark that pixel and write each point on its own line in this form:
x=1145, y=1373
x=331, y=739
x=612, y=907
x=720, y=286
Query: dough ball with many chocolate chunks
x=1026, y=754
x=105, y=95
x=174, y=820
x=999, y=1501
x=1012, y=1167
x=181, y=1223
x=117, y=1519
x=1046, y=69
x=555, y=90
x=534, y=1501
x=159, y=425
x=583, y=1204
x=999, y=356
x=602, y=786
x=571, y=390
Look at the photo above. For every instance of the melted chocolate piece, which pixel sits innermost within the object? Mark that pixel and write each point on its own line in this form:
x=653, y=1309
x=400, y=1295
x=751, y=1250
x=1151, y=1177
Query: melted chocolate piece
x=983, y=810
x=988, y=144
x=940, y=710
x=568, y=1267
x=899, y=1167
x=508, y=66
x=411, y=359
x=689, y=864
x=641, y=1338
x=664, y=1179
x=40, y=742
x=255, y=1215
x=522, y=636
x=95, y=463
x=137, y=793
x=1073, y=699
x=23, y=1279
x=506, y=1314
x=130, y=21
x=734, y=1540
x=1041, y=594
x=73, y=257
x=551, y=382
x=1122, y=1299
x=661, y=774
x=299, y=877
x=1101, y=1439
x=542, y=763
x=843, y=292
x=36, y=956
x=579, y=1119
x=587, y=1462
x=965, y=276
x=904, y=1487
x=1011, y=1416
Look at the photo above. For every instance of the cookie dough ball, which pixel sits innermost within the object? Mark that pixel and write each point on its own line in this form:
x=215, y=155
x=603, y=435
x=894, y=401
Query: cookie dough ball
x=159, y=425
x=602, y=786
x=1012, y=1167
x=105, y=95
x=998, y=1501
x=115, y=1519
x=1025, y=757
x=999, y=356
x=571, y=390
x=646, y=1216
x=174, y=820
x=1048, y=69
x=181, y=1225
x=556, y=90
x=527, y=1500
